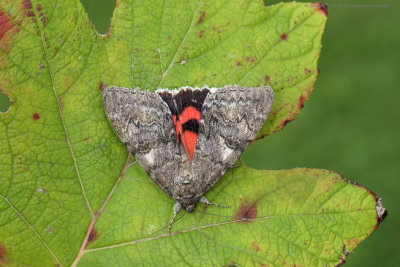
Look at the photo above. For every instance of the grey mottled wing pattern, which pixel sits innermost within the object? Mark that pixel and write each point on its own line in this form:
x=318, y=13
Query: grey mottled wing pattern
x=144, y=124
x=230, y=119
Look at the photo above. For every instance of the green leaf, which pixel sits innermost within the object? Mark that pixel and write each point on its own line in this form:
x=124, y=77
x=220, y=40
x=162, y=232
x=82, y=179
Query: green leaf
x=64, y=195
x=292, y=217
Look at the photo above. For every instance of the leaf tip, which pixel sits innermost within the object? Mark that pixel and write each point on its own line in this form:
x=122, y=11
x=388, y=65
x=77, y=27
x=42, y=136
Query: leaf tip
x=322, y=7
x=381, y=212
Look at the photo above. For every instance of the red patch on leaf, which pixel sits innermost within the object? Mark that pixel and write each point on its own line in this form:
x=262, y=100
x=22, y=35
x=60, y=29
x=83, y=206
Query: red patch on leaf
x=247, y=211
x=93, y=236
x=284, y=36
x=322, y=7
x=3, y=250
x=238, y=63
x=266, y=78
x=35, y=116
x=5, y=24
x=301, y=101
x=38, y=7
x=3, y=253
x=202, y=16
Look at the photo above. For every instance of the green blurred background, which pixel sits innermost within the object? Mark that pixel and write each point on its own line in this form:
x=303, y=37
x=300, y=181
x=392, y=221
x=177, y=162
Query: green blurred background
x=350, y=124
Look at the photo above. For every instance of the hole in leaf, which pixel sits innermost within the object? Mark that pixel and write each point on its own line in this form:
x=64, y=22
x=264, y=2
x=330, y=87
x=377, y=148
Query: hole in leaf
x=100, y=13
x=5, y=102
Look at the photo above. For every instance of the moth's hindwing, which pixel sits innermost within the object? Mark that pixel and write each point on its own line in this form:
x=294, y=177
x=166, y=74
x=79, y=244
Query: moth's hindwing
x=230, y=119
x=144, y=124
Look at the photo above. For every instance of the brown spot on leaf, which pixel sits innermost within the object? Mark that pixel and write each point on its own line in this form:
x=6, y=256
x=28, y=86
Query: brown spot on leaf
x=43, y=20
x=60, y=103
x=41, y=66
x=322, y=7
x=93, y=236
x=266, y=78
x=284, y=36
x=247, y=211
x=214, y=74
x=238, y=63
x=307, y=71
x=255, y=247
x=102, y=86
x=202, y=16
x=201, y=34
x=26, y=4
x=35, y=116
x=38, y=7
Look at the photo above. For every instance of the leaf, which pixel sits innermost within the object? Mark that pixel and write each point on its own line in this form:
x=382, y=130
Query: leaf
x=298, y=217
x=64, y=196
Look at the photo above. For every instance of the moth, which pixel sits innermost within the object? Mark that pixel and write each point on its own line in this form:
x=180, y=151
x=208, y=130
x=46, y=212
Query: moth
x=187, y=139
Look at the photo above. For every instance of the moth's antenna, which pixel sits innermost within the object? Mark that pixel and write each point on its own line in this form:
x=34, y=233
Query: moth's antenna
x=219, y=215
x=169, y=225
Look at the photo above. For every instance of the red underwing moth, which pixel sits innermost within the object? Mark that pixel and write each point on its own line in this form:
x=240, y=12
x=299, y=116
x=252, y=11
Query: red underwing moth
x=187, y=139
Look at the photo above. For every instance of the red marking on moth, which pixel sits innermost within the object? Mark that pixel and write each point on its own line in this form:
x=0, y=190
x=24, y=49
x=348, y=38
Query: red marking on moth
x=255, y=247
x=189, y=113
x=188, y=138
x=5, y=24
x=35, y=116
x=247, y=211
x=322, y=7
x=284, y=36
x=266, y=78
x=93, y=236
x=202, y=16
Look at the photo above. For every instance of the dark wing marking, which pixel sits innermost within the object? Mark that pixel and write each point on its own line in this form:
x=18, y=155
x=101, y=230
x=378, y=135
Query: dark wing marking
x=230, y=119
x=144, y=123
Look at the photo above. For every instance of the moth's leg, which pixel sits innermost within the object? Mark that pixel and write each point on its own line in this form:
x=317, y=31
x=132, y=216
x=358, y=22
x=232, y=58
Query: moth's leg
x=177, y=208
x=204, y=200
